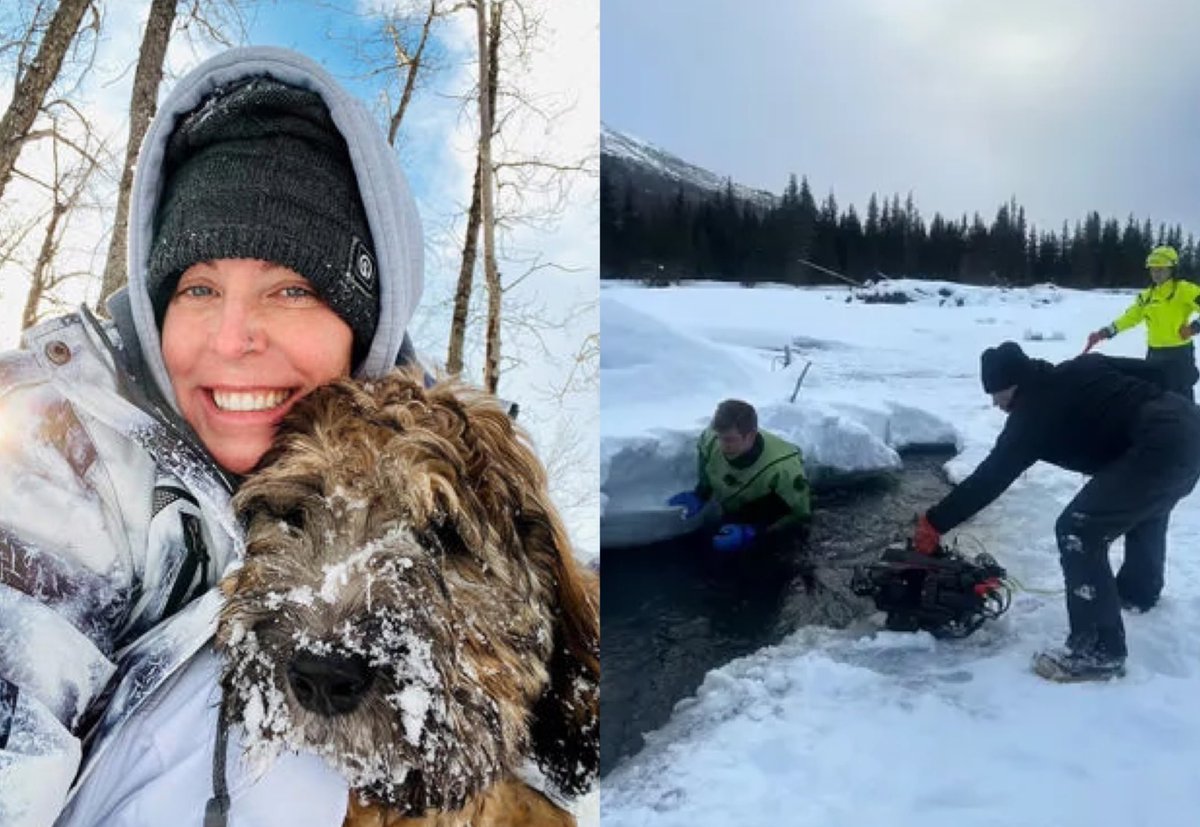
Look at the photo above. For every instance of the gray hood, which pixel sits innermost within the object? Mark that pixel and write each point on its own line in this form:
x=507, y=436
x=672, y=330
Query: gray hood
x=391, y=211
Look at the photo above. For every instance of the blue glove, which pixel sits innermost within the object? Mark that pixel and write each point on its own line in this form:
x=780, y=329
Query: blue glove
x=734, y=537
x=689, y=500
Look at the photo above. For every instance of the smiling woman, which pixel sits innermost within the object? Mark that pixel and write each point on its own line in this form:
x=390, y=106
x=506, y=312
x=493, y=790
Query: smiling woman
x=274, y=247
x=262, y=266
x=244, y=340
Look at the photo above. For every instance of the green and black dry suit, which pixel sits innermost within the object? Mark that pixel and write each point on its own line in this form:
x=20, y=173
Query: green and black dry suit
x=764, y=487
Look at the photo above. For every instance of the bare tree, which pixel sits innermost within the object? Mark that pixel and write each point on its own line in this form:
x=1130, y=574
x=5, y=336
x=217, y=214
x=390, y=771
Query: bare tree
x=487, y=36
x=583, y=377
x=466, y=278
x=509, y=190
x=143, y=103
x=215, y=20
x=12, y=236
x=516, y=186
x=33, y=82
x=408, y=63
x=408, y=30
x=67, y=186
x=466, y=271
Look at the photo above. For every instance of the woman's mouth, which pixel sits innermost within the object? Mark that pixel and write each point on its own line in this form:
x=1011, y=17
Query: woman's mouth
x=248, y=401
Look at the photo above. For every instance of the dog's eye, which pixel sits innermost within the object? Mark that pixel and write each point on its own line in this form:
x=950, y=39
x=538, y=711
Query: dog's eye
x=442, y=536
x=294, y=517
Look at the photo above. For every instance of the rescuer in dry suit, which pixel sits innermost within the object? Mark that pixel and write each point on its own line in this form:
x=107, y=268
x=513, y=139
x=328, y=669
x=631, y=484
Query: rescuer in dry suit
x=754, y=478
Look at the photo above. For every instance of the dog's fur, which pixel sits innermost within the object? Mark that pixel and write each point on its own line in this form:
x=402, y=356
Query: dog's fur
x=411, y=529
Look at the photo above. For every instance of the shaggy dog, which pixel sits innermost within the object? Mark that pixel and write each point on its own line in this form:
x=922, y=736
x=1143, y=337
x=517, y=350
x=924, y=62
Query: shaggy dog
x=409, y=609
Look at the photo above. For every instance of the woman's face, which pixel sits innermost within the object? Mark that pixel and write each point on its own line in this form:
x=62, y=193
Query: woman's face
x=1160, y=274
x=243, y=340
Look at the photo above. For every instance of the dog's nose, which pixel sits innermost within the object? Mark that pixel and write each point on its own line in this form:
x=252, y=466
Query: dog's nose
x=329, y=684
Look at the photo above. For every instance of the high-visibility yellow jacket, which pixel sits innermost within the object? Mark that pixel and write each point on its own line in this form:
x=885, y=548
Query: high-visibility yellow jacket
x=1164, y=308
x=766, y=486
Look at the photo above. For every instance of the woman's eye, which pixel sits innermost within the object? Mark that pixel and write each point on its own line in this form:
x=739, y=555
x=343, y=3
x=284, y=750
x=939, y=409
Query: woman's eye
x=295, y=291
x=195, y=291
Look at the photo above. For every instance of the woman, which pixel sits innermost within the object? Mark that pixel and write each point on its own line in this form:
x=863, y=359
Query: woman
x=1166, y=307
x=274, y=246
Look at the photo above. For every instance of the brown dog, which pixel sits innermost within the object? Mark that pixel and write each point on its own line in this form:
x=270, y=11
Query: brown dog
x=409, y=609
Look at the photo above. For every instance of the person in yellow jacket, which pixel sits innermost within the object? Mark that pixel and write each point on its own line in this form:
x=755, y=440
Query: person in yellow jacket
x=756, y=479
x=1166, y=307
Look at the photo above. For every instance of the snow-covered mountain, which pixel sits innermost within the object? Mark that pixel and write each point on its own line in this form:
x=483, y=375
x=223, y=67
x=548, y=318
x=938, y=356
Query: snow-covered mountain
x=626, y=159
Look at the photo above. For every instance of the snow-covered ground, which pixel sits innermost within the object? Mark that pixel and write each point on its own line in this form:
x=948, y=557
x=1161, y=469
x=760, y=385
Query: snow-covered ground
x=845, y=728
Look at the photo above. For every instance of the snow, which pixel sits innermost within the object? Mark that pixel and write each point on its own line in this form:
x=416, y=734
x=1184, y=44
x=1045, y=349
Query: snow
x=863, y=726
x=666, y=364
x=275, y=723
x=414, y=703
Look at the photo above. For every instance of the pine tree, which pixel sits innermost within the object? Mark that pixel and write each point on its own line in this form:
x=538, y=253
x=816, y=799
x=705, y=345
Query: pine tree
x=612, y=246
x=721, y=236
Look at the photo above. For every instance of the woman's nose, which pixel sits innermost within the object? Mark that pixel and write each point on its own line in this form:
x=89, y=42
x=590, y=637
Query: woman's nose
x=239, y=331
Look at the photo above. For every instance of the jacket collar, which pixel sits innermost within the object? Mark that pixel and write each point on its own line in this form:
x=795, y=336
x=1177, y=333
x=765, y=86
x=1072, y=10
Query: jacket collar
x=750, y=457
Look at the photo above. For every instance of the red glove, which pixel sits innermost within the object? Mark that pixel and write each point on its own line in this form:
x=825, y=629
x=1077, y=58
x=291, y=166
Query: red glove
x=1186, y=332
x=926, y=538
x=1094, y=338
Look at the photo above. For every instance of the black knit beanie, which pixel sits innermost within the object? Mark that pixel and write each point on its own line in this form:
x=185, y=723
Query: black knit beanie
x=1003, y=366
x=259, y=170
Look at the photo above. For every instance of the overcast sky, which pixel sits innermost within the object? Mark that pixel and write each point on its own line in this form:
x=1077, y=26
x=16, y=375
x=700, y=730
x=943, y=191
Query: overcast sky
x=1070, y=105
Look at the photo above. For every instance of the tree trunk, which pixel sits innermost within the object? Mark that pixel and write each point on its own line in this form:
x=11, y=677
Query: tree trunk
x=414, y=65
x=35, y=82
x=45, y=260
x=142, y=105
x=488, y=59
x=466, y=273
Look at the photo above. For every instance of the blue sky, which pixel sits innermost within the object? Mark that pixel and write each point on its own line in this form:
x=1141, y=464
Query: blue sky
x=333, y=34
x=1069, y=105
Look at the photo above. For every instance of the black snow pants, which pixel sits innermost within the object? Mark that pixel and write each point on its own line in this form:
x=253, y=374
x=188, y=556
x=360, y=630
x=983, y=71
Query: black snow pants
x=1178, y=364
x=1132, y=496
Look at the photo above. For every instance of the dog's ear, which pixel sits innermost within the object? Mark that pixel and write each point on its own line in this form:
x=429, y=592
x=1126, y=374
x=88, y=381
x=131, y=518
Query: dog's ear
x=565, y=726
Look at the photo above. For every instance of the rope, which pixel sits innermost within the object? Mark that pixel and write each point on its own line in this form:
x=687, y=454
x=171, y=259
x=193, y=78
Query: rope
x=1017, y=585
x=1011, y=580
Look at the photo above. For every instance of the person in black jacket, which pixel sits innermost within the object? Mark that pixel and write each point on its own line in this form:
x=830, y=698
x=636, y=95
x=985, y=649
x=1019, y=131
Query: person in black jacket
x=1111, y=419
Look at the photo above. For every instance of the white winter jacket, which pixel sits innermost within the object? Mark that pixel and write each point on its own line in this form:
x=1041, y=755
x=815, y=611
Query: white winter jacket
x=159, y=765
x=104, y=515
x=114, y=524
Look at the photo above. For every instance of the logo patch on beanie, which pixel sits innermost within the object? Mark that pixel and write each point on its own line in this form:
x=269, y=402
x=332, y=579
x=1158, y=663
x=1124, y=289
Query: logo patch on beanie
x=362, y=268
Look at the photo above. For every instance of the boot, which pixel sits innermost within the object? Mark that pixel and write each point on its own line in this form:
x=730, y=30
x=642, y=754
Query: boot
x=1067, y=666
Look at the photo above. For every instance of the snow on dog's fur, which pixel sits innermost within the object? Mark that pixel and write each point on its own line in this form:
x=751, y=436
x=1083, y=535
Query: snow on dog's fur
x=410, y=609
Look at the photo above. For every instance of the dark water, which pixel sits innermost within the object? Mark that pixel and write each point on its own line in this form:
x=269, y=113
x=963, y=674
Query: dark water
x=672, y=612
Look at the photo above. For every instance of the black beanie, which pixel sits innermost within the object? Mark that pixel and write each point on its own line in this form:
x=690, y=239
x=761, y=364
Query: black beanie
x=1003, y=366
x=259, y=170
